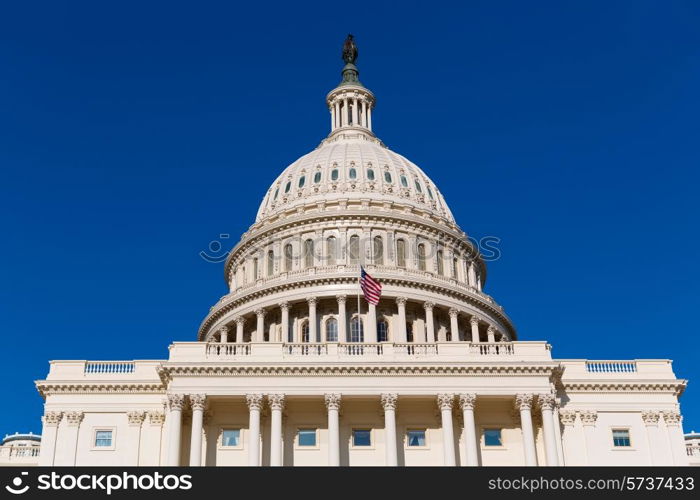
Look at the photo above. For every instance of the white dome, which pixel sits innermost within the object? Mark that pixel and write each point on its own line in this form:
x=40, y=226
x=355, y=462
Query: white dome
x=353, y=165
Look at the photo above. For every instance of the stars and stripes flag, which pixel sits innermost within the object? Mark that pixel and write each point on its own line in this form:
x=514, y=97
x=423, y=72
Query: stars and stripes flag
x=371, y=288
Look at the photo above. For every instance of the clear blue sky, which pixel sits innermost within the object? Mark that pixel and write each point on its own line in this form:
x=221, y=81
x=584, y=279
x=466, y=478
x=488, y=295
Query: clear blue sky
x=133, y=133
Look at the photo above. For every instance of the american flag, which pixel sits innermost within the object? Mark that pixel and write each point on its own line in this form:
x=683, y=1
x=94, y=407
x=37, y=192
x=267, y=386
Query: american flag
x=371, y=288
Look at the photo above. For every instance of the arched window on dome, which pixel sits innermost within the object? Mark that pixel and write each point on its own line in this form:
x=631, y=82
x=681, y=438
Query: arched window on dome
x=305, y=331
x=331, y=330
x=288, y=253
x=352, y=174
x=309, y=253
x=277, y=192
x=430, y=193
x=334, y=174
x=418, y=186
x=357, y=333
x=387, y=177
x=404, y=181
x=317, y=177
x=302, y=181
x=270, y=262
x=370, y=174
x=354, y=249
x=255, y=269
x=331, y=251
x=288, y=187
x=401, y=253
x=382, y=331
x=421, y=257
x=440, y=263
x=455, y=268
x=378, y=250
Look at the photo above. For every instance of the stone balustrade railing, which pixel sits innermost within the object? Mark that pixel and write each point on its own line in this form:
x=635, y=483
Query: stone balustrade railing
x=109, y=367
x=611, y=366
x=693, y=450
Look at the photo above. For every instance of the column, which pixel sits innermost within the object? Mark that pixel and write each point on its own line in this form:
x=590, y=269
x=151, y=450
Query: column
x=572, y=455
x=454, y=328
x=675, y=437
x=491, y=334
x=401, y=330
x=332, y=110
x=369, y=117
x=364, y=113
x=74, y=418
x=175, y=404
x=344, y=114
x=651, y=422
x=371, y=324
x=240, y=321
x=276, y=408
x=354, y=113
x=471, y=451
x=255, y=402
x=546, y=404
x=429, y=322
x=49, y=433
x=557, y=432
x=260, y=330
x=342, y=318
x=389, y=405
x=284, y=306
x=223, y=334
x=333, y=407
x=135, y=419
x=523, y=403
x=337, y=114
x=445, y=405
x=198, y=402
x=312, y=301
x=588, y=419
x=471, y=275
x=475, y=329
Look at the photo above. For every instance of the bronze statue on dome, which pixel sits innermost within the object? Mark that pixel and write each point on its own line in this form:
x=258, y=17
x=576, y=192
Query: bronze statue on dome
x=349, y=50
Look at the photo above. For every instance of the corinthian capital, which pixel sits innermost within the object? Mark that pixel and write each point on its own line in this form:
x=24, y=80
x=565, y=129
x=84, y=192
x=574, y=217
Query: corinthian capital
x=546, y=401
x=651, y=417
x=74, y=417
x=523, y=401
x=389, y=401
x=453, y=312
x=53, y=417
x=588, y=417
x=239, y=320
x=284, y=306
x=135, y=417
x=260, y=312
x=312, y=301
x=276, y=401
x=444, y=401
x=401, y=301
x=333, y=401
x=474, y=320
x=198, y=401
x=176, y=401
x=467, y=401
x=156, y=417
x=254, y=401
x=672, y=417
x=567, y=417
x=428, y=305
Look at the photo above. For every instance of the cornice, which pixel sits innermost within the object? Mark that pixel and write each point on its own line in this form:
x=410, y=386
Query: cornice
x=47, y=388
x=675, y=387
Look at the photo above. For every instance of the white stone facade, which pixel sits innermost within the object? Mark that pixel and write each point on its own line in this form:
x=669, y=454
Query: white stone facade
x=283, y=373
x=20, y=450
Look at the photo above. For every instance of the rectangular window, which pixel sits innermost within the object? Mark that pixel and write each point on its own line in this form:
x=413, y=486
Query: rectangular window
x=415, y=437
x=492, y=437
x=231, y=437
x=621, y=438
x=103, y=439
x=306, y=437
x=361, y=437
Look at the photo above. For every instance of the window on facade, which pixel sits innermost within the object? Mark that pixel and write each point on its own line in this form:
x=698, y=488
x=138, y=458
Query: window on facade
x=309, y=253
x=302, y=181
x=418, y=186
x=306, y=437
x=440, y=263
x=354, y=249
x=370, y=174
x=305, y=331
x=290, y=332
x=378, y=250
x=332, y=330
x=334, y=174
x=492, y=437
x=103, y=438
x=621, y=438
x=331, y=250
x=361, y=437
x=421, y=257
x=387, y=177
x=353, y=173
x=415, y=437
x=231, y=437
x=382, y=331
x=404, y=181
x=288, y=257
x=288, y=187
x=317, y=177
x=401, y=253
x=357, y=333
x=409, y=332
x=255, y=269
x=270, y=262
x=455, y=272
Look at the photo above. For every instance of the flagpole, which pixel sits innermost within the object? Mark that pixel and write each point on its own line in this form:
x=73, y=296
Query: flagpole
x=359, y=289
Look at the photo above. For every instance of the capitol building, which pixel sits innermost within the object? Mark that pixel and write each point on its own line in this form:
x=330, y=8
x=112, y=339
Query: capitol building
x=289, y=368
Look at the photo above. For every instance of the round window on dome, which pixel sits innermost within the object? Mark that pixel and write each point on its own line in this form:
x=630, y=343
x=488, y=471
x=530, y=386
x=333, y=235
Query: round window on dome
x=317, y=177
x=334, y=174
x=387, y=177
x=404, y=181
x=418, y=187
x=302, y=180
x=353, y=173
x=288, y=187
x=370, y=174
